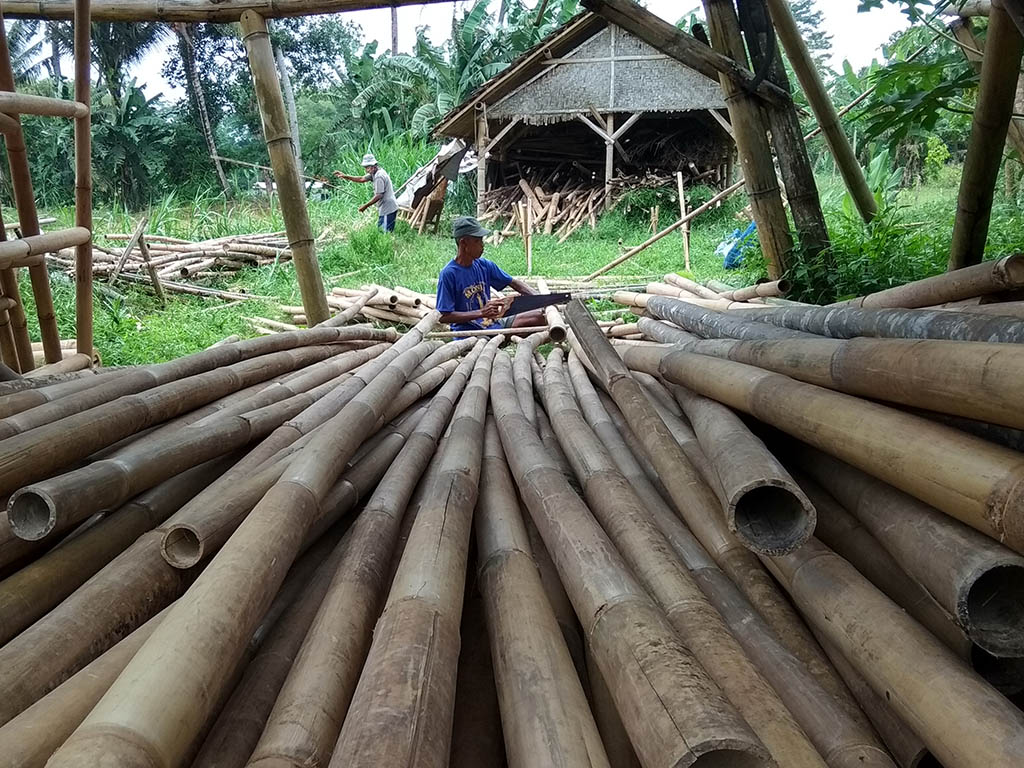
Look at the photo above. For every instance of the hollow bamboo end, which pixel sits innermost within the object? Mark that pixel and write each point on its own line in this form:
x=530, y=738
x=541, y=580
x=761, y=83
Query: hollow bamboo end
x=32, y=514
x=771, y=519
x=731, y=756
x=181, y=546
x=992, y=610
x=557, y=333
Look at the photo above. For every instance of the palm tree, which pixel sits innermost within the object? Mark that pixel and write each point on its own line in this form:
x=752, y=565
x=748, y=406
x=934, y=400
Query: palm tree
x=118, y=45
x=26, y=49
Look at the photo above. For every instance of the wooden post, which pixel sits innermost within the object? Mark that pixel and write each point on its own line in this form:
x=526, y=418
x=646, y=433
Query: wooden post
x=282, y=159
x=824, y=109
x=682, y=215
x=787, y=136
x=751, y=143
x=992, y=115
x=134, y=240
x=609, y=161
x=24, y=199
x=83, y=178
x=481, y=157
x=527, y=219
x=153, y=276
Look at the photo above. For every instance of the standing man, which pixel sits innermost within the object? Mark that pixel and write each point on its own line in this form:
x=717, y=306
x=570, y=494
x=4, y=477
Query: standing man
x=464, y=285
x=383, y=192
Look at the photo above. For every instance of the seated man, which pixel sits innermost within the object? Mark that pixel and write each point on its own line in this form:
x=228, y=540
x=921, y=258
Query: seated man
x=464, y=286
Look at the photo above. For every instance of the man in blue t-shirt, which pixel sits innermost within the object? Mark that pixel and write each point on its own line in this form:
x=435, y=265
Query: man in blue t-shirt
x=464, y=286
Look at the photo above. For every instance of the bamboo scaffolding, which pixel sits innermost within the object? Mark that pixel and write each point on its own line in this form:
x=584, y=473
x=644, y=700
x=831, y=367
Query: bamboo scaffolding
x=845, y=323
x=825, y=717
x=997, y=90
x=195, y=654
x=395, y=719
x=940, y=697
x=547, y=720
x=979, y=580
x=622, y=514
x=306, y=718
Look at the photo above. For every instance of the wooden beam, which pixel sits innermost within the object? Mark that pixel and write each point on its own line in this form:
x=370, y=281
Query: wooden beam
x=482, y=145
x=726, y=125
x=279, y=146
x=193, y=10
x=84, y=326
x=626, y=125
x=996, y=93
x=503, y=133
x=682, y=47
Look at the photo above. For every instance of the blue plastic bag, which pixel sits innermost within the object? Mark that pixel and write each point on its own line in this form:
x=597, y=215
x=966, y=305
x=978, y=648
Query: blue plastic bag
x=731, y=249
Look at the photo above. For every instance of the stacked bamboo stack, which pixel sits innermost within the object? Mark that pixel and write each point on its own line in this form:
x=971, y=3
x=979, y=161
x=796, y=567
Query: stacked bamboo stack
x=263, y=554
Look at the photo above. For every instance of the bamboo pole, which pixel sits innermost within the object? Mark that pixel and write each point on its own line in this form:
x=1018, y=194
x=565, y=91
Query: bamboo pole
x=976, y=580
x=521, y=371
x=1005, y=274
x=193, y=651
x=824, y=713
x=556, y=323
x=773, y=288
x=279, y=146
x=755, y=153
x=28, y=104
x=395, y=718
x=682, y=215
x=940, y=697
x=764, y=506
x=690, y=285
x=824, y=110
x=845, y=323
x=306, y=718
x=547, y=719
x=676, y=461
x=711, y=323
x=992, y=114
x=28, y=219
x=672, y=711
x=963, y=476
x=617, y=747
x=622, y=514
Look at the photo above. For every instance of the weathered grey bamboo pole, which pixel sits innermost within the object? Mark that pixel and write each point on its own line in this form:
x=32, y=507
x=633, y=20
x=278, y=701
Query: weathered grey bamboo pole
x=282, y=157
x=450, y=351
x=976, y=580
x=976, y=380
x=992, y=114
x=53, y=505
x=764, y=506
x=824, y=110
x=847, y=322
x=1005, y=274
x=616, y=742
x=674, y=714
x=40, y=452
x=32, y=591
x=622, y=514
x=680, y=473
x=749, y=131
x=711, y=323
x=926, y=684
x=965, y=477
x=839, y=738
x=522, y=370
x=304, y=724
x=83, y=178
x=664, y=331
x=396, y=718
x=545, y=716
x=206, y=630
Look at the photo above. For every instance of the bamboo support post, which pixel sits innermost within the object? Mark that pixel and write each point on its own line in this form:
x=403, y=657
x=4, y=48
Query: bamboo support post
x=752, y=145
x=992, y=114
x=83, y=175
x=282, y=158
x=824, y=110
x=682, y=215
x=674, y=714
x=547, y=720
x=623, y=515
x=133, y=241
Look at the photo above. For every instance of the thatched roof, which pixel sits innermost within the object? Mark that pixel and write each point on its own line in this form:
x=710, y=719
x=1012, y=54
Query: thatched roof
x=587, y=65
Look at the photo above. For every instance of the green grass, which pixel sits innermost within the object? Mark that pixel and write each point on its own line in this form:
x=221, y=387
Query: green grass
x=134, y=329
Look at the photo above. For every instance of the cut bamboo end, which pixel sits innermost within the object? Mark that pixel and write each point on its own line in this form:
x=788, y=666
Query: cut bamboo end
x=992, y=609
x=32, y=514
x=770, y=518
x=182, y=546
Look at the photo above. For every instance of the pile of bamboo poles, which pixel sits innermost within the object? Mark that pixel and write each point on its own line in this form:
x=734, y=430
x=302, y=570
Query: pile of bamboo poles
x=260, y=555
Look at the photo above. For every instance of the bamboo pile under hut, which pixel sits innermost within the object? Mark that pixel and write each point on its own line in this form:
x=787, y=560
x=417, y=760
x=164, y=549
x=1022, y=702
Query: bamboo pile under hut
x=734, y=543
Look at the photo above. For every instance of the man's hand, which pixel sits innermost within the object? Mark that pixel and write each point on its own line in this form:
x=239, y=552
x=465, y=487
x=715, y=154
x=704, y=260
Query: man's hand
x=339, y=175
x=494, y=309
x=362, y=208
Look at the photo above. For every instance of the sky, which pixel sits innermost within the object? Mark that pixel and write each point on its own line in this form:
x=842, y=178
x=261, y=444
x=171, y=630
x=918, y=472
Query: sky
x=855, y=36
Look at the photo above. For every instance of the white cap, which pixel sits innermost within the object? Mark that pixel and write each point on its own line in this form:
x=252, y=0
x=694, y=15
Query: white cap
x=369, y=159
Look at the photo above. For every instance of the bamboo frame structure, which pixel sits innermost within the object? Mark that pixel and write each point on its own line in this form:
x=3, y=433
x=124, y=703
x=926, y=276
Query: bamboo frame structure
x=278, y=137
x=1004, y=46
x=823, y=108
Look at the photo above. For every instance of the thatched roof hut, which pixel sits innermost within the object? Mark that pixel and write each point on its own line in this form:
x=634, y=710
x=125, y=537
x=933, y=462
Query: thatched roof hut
x=594, y=104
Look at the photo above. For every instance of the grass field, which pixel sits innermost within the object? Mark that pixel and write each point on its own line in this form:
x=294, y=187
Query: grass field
x=132, y=328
